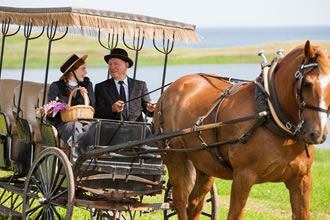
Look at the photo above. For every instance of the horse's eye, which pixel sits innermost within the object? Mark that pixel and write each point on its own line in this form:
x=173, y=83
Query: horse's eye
x=307, y=85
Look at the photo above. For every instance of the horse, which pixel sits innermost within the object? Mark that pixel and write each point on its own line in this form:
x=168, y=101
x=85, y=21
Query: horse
x=301, y=83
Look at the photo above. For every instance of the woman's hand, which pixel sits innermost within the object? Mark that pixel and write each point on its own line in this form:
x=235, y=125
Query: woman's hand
x=84, y=91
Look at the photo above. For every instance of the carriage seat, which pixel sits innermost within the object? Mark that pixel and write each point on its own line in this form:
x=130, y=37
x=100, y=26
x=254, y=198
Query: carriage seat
x=29, y=102
x=7, y=87
x=58, y=141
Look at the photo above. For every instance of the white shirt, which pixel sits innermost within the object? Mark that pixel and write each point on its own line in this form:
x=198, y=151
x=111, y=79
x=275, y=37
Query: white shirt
x=125, y=84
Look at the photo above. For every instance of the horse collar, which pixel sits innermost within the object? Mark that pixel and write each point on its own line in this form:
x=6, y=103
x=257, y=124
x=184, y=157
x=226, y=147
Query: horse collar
x=266, y=99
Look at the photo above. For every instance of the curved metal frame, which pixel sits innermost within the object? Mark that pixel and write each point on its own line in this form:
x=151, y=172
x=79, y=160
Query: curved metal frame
x=111, y=39
x=27, y=34
x=51, y=33
x=4, y=31
x=112, y=45
x=136, y=47
x=167, y=49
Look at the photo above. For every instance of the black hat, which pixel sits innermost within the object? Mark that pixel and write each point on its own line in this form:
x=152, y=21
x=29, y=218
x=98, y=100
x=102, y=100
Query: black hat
x=68, y=63
x=119, y=53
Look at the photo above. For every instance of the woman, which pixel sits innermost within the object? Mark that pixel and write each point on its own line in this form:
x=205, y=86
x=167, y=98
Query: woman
x=74, y=72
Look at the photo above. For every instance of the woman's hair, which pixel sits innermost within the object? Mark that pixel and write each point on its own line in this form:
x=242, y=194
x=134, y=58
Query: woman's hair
x=67, y=75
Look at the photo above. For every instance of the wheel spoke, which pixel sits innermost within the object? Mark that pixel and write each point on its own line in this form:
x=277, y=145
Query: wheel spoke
x=42, y=178
x=55, y=172
x=58, y=185
x=34, y=209
x=39, y=187
x=51, y=214
x=47, y=174
x=55, y=211
x=59, y=194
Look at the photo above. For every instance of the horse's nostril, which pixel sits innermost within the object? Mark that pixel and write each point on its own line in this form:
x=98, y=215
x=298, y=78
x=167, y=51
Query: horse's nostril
x=316, y=135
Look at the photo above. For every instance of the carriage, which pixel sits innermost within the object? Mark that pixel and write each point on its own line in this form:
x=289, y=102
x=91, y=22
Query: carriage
x=108, y=175
x=271, y=139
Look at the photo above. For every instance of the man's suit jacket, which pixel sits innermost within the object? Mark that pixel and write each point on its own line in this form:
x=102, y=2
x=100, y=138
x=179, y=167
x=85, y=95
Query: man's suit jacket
x=106, y=95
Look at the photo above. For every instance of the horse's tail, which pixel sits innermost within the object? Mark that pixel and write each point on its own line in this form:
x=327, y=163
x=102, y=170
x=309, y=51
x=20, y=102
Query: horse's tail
x=189, y=177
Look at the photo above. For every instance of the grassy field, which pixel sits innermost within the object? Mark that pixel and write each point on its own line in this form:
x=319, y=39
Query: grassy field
x=268, y=201
x=37, y=53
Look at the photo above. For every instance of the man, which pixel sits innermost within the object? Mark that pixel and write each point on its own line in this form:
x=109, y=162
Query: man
x=113, y=95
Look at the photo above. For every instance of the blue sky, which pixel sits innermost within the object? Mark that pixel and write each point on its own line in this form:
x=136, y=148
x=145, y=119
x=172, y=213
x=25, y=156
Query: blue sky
x=207, y=13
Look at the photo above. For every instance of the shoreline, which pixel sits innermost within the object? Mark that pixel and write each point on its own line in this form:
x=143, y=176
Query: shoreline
x=37, y=53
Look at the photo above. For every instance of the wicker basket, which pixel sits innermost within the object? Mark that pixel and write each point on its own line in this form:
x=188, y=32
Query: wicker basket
x=77, y=111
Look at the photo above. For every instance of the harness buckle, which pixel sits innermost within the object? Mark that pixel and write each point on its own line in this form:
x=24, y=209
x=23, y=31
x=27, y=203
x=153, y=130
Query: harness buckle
x=302, y=105
x=298, y=74
x=299, y=126
x=288, y=125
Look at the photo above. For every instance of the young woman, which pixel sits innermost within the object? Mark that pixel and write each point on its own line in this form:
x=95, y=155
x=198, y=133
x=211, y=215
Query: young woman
x=74, y=72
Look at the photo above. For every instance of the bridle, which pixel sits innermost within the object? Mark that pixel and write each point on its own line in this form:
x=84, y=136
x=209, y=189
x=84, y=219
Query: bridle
x=299, y=76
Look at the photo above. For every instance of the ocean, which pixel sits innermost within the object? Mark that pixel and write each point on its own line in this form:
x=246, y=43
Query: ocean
x=241, y=36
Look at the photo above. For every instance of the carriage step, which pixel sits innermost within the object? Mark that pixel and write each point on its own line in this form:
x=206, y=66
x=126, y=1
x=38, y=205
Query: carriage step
x=7, y=212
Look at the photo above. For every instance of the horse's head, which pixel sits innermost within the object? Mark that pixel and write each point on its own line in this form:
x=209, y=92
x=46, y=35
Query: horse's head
x=309, y=74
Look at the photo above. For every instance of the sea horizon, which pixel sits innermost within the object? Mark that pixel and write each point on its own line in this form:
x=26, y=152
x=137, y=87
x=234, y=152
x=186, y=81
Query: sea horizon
x=227, y=37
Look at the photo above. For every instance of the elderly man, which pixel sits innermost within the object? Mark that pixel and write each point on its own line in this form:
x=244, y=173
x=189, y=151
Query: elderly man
x=112, y=95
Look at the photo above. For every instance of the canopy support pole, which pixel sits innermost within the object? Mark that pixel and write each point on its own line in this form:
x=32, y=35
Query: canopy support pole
x=112, y=43
x=51, y=33
x=136, y=47
x=5, y=28
x=27, y=34
x=167, y=49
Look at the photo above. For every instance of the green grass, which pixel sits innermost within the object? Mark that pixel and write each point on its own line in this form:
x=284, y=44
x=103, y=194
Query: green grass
x=268, y=201
x=60, y=50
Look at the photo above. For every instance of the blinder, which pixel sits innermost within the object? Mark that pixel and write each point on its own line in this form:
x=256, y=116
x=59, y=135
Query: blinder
x=299, y=76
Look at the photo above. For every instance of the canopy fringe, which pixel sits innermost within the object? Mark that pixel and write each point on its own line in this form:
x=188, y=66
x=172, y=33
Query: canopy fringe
x=89, y=24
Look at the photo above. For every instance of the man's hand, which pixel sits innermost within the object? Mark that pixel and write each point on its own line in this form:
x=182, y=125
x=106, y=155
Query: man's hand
x=118, y=106
x=151, y=106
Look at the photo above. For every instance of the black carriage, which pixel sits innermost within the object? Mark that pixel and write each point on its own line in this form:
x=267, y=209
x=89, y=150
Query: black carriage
x=109, y=175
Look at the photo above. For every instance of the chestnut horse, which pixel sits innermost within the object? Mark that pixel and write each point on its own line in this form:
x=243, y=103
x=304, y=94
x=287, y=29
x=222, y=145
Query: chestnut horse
x=267, y=156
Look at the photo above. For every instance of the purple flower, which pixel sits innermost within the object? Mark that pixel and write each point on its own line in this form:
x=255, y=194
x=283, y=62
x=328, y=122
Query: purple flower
x=52, y=108
x=59, y=107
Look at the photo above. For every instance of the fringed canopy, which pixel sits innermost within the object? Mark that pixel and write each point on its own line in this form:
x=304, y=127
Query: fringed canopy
x=88, y=22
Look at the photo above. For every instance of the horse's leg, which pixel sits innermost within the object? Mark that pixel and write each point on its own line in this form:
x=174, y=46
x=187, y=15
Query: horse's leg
x=202, y=186
x=181, y=176
x=300, y=189
x=240, y=189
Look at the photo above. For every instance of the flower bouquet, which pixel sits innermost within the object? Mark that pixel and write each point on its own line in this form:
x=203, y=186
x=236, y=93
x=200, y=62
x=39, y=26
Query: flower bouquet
x=51, y=109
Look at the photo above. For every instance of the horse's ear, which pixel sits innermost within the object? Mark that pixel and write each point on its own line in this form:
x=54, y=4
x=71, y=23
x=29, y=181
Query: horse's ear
x=309, y=51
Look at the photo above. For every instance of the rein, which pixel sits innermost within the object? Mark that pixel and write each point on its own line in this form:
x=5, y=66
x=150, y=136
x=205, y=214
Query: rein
x=148, y=93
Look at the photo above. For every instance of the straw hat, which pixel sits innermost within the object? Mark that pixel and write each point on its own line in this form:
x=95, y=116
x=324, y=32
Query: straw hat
x=119, y=53
x=68, y=63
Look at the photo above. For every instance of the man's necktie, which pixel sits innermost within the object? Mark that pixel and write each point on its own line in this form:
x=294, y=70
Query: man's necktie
x=122, y=96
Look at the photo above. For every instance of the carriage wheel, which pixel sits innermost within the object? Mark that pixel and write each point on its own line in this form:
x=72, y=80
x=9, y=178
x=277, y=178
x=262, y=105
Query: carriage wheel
x=49, y=187
x=211, y=200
